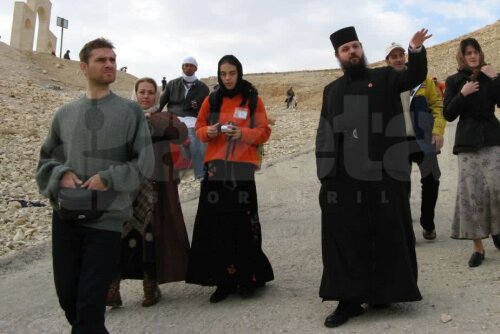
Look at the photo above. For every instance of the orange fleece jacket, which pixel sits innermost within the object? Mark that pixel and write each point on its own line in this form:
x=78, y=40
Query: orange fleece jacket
x=246, y=147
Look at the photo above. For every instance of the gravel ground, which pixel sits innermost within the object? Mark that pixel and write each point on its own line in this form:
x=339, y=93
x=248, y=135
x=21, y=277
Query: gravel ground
x=457, y=299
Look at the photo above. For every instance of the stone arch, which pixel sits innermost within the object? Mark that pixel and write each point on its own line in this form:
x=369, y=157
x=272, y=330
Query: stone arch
x=24, y=23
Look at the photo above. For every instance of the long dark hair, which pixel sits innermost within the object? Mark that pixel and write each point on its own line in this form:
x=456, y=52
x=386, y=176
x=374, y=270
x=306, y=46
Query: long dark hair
x=462, y=63
x=244, y=88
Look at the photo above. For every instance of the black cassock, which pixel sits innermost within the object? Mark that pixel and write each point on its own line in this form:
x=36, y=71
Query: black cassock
x=368, y=241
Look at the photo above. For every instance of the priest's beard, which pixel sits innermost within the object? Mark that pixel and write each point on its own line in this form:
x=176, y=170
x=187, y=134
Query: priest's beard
x=354, y=70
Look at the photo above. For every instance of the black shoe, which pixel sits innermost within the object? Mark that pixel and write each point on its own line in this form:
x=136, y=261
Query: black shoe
x=429, y=235
x=496, y=240
x=342, y=313
x=246, y=291
x=476, y=259
x=259, y=284
x=220, y=294
x=379, y=306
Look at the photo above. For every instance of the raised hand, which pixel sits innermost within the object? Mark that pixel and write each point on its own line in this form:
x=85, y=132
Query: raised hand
x=419, y=38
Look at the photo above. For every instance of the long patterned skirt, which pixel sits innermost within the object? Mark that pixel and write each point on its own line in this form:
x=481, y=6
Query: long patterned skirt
x=477, y=208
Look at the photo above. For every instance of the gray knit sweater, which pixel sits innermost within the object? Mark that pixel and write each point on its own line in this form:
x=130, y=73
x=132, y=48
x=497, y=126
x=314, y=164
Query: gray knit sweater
x=108, y=136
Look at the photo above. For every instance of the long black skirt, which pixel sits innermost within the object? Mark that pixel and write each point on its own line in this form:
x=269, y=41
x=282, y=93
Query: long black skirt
x=368, y=241
x=227, y=242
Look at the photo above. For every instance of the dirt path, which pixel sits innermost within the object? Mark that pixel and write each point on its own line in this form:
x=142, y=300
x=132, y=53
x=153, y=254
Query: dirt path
x=290, y=218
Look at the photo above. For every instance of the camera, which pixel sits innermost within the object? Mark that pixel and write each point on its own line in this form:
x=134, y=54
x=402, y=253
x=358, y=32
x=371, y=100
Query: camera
x=229, y=126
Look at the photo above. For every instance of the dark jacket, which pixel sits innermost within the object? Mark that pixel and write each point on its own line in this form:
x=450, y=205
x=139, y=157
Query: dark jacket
x=173, y=97
x=367, y=112
x=478, y=126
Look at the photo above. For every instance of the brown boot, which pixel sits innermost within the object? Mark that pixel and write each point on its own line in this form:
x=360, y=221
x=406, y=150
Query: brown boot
x=152, y=292
x=114, y=298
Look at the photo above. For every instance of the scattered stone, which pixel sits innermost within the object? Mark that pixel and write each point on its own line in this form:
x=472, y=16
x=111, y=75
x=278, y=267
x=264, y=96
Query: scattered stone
x=445, y=318
x=44, y=72
x=19, y=236
x=14, y=204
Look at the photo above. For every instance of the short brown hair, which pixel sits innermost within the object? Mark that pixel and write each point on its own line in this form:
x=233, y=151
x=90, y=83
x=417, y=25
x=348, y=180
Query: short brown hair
x=146, y=79
x=98, y=43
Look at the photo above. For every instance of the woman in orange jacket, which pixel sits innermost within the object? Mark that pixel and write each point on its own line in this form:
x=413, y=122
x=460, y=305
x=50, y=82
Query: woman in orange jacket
x=227, y=243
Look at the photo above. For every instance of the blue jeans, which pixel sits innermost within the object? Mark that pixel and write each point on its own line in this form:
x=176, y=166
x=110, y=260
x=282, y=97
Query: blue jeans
x=197, y=152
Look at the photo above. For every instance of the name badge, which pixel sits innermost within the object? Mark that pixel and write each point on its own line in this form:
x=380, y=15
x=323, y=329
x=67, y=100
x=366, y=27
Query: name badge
x=240, y=113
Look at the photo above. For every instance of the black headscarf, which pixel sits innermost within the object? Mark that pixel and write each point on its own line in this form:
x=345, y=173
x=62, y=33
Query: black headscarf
x=244, y=88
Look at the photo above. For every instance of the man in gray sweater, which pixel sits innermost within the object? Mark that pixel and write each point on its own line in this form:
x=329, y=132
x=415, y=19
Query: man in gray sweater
x=99, y=142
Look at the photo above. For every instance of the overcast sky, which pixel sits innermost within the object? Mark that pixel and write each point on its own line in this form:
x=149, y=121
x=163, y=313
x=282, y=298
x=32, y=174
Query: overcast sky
x=153, y=36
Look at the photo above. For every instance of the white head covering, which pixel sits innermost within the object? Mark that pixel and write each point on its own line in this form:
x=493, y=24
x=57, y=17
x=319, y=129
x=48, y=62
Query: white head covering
x=190, y=60
x=156, y=104
x=192, y=78
x=393, y=46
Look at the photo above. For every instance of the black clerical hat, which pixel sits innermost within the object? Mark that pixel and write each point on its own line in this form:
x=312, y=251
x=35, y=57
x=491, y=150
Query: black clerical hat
x=342, y=36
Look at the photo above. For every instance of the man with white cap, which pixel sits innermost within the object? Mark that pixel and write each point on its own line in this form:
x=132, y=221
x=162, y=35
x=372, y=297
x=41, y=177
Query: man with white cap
x=368, y=244
x=425, y=123
x=183, y=97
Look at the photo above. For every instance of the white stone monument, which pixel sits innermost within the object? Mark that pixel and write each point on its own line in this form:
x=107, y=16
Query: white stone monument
x=24, y=22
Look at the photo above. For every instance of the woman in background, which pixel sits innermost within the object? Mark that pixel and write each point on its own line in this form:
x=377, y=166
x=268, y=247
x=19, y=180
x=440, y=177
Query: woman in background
x=471, y=95
x=227, y=243
x=155, y=244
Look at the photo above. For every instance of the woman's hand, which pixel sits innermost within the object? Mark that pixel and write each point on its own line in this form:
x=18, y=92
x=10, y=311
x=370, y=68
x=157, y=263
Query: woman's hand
x=212, y=130
x=489, y=71
x=234, y=133
x=469, y=88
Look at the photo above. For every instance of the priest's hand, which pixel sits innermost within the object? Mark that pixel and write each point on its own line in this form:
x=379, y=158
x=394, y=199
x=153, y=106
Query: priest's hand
x=419, y=38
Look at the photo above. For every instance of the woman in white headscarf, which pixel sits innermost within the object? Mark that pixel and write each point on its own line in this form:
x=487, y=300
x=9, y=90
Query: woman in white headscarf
x=155, y=244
